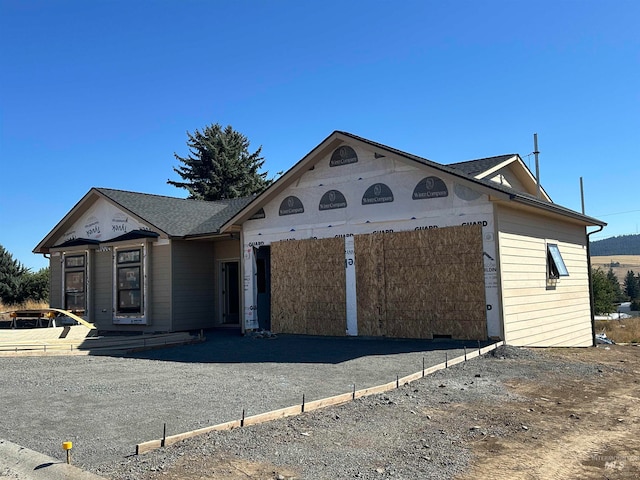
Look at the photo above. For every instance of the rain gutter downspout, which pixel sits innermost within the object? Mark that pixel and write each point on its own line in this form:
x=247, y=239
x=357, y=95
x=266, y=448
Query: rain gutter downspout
x=591, y=302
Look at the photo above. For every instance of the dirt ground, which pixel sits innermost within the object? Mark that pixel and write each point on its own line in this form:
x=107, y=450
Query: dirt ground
x=580, y=428
x=559, y=421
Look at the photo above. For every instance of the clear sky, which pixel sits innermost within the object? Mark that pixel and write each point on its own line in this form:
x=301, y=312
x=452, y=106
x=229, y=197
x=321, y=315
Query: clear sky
x=101, y=93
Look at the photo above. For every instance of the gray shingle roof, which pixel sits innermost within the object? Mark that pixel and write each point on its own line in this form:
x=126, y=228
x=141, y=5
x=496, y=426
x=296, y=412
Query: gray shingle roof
x=177, y=217
x=474, y=167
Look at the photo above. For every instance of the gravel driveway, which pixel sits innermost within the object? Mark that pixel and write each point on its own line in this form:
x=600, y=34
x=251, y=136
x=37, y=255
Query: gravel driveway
x=512, y=414
x=106, y=405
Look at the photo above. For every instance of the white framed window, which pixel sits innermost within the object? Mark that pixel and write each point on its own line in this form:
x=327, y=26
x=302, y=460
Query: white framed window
x=556, y=267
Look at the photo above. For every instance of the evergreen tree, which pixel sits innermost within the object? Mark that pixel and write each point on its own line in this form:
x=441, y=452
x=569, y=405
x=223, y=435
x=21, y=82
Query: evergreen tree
x=220, y=165
x=620, y=245
x=631, y=285
x=18, y=284
x=615, y=284
x=603, y=294
x=12, y=278
x=36, y=286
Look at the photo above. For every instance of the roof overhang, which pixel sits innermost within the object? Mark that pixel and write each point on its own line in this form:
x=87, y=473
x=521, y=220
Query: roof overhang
x=78, y=242
x=520, y=170
x=327, y=145
x=547, y=208
x=75, y=214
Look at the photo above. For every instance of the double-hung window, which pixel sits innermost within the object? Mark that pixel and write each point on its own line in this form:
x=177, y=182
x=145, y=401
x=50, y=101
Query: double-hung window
x=129, y=265
x=75, y=273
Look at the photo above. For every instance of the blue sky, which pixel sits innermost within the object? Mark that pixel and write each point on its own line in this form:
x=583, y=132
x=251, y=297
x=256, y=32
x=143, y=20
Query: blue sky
x=102, y=93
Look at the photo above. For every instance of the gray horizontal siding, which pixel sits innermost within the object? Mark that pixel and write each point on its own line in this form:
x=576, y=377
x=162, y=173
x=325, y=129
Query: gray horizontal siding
x=102, y=291
x=55, y=277
x=160, y=288
x=193, y=277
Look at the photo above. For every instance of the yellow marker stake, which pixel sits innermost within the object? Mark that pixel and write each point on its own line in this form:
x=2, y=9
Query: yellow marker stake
x=67, y=446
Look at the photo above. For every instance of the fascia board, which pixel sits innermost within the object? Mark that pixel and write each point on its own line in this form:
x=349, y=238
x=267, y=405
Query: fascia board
x=530, y=177
x=558, y=210
x=486, y=173
x=78, y=209
x=293, y=174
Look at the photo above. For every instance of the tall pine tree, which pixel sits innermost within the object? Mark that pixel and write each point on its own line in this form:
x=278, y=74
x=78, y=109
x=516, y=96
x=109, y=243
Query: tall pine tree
x=631, y=285
x=13, y=276
x=603, y=294
x=220, y=165
x=615, y=284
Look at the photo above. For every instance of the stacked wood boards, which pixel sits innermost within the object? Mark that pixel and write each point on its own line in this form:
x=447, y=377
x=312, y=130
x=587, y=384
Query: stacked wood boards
x=308, y=287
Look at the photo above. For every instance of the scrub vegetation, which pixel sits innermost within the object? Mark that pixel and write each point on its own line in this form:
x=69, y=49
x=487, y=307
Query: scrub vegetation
x=625, y=330
x=28, y=305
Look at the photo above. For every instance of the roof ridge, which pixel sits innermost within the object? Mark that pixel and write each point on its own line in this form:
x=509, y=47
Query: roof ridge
x=223, y=200
x=387, y=147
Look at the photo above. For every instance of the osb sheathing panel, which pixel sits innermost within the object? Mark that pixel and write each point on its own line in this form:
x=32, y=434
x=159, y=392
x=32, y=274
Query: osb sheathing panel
x=421, y=283
x=370, y=285
x=308, y=287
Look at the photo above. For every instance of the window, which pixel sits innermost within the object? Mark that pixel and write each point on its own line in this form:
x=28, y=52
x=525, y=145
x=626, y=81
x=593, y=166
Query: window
x=129, y=281
x=74, y=283
x=555, y=264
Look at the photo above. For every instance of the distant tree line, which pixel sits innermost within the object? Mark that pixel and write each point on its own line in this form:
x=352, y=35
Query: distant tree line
x=607, y=291
x=620, y=245
x=18, y=284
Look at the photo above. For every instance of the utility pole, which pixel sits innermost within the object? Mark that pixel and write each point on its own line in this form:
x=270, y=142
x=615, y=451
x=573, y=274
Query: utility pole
x=536, y=152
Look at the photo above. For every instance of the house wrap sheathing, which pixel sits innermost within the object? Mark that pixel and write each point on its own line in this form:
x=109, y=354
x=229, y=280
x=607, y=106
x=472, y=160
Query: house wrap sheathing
x=362, y=239
x=357, y=238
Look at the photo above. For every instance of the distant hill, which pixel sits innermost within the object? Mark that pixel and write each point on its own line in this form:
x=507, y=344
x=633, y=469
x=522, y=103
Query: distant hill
x=621, y=245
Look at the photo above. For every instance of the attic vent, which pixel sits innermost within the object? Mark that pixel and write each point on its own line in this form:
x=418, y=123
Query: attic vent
x=258, y=215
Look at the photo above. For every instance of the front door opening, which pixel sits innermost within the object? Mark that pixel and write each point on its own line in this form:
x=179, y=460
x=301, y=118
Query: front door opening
x=230, y=293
